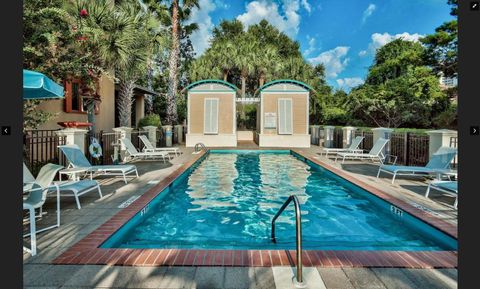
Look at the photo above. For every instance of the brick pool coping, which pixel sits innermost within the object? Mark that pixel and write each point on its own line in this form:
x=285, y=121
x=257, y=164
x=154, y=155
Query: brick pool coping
x=86, y=251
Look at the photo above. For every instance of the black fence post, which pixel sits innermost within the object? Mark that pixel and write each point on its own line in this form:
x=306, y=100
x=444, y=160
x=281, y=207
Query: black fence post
x=406, y=148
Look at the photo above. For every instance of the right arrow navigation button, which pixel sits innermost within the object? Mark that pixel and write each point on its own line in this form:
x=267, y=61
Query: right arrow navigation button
x=475, y=130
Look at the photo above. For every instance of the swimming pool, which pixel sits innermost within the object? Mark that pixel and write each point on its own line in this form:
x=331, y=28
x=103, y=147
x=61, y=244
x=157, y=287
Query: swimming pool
x=227, y=200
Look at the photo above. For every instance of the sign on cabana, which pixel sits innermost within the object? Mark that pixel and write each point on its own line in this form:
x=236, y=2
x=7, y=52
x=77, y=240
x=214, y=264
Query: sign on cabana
x=270, y=120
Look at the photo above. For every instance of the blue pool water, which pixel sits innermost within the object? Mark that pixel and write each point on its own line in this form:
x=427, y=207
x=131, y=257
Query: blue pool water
x=228, y=199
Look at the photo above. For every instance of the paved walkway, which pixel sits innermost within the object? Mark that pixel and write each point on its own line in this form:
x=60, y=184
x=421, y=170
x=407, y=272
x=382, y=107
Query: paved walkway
x=76, y=224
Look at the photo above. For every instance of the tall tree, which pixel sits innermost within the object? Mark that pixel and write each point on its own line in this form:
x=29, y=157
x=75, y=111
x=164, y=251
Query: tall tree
x=173, y=61
x=400, y=88
x=442, y=46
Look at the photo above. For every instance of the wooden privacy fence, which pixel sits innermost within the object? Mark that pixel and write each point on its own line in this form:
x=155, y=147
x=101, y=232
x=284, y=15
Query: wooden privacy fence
x=40, y=148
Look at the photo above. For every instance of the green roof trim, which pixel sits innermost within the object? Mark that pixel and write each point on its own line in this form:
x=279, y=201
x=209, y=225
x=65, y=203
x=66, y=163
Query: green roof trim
x=287, y=81
x=206, y=81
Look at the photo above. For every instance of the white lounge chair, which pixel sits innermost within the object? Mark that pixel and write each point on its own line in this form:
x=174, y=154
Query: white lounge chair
x=68, y=188
x=37, y=194
x=376, y=153
x=28, y=179
x=150, y=148
x=79, y=188
x=77, y=159
x=449, y=187
x=353, y=148
x=134, y=154
x=438, y=163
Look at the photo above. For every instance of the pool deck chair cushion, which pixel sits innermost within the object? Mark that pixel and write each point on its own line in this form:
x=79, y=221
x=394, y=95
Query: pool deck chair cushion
x=438, y=163
x=134, y=154
x=77, y=159
x=353, y=148
x=150, y=148
x=449, y=187
x=376, y=153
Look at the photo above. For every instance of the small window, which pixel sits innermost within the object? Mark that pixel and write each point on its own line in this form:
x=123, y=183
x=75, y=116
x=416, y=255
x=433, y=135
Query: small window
x=73, y=100
x=211, y=116
x=285, y=116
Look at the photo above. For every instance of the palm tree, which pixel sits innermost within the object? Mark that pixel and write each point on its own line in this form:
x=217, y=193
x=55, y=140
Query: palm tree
x=174, y=59
x=224, y=54
x=158, y=41
x=122, y=42
x=140, y=53
x=268, y=64
x=204, y=68
x=245, y=59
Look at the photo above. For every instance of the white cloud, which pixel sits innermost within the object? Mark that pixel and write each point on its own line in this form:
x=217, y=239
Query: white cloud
x=311, y=46
x=201, y=37
x=307, y=6
x=220, y=4
x=335, y=60
x=349, y=82
x=379, y=40
x=285, y=17
x=368, y=12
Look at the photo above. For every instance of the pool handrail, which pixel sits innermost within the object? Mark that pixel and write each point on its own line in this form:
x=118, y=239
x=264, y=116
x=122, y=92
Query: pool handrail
x=298, y=225
x=201, y=146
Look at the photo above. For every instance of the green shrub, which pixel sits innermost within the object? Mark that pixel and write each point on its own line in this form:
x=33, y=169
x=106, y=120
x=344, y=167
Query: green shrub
x=447, y=118
x=151, y=119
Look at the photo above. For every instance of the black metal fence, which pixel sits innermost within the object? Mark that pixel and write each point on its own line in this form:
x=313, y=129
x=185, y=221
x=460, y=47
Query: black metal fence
x=337, y=138
x=367, y=142
x=107, y=141
x=411, y=149
x=40, y=148
x=454, y=144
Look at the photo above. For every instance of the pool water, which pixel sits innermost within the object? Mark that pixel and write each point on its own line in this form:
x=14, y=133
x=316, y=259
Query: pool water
x=228, y=200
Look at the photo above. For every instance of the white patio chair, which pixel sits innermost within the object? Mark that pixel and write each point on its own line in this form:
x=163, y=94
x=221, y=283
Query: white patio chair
x=134, y=154
x=150, y=148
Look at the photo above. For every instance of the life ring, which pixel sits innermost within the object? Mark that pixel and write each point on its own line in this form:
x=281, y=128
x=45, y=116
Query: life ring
x=95, y=149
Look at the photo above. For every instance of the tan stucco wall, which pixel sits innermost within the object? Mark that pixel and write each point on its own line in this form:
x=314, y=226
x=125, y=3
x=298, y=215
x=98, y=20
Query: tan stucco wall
x=57, y=107
x=226, y=112
x=299, y=110
x=105, y=119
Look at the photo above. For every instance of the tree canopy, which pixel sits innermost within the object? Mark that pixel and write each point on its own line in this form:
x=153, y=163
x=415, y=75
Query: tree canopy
x=400, y=90
x=250, y=57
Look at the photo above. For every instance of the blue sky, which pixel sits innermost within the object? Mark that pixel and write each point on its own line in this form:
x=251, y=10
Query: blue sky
x=343, y=35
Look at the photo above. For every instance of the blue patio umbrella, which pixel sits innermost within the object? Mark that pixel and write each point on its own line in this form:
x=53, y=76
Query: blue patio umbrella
x=38, y=86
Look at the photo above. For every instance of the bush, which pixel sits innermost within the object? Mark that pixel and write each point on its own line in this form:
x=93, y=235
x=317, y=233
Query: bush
x=447, y=118
x=151, y=119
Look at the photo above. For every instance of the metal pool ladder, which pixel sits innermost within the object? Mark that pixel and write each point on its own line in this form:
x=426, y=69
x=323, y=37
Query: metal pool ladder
x=298, y=225
x=200, y=146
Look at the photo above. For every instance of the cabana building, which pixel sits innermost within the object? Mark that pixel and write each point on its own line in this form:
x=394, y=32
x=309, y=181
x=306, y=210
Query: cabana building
x=211, y=115
x=282, y=114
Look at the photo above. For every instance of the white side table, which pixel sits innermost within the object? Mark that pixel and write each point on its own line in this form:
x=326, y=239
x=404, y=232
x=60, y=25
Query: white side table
x=72, y=173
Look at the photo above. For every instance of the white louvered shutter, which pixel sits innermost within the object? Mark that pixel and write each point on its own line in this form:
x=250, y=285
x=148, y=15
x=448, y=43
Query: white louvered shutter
x=211, y=116
x=284, y=116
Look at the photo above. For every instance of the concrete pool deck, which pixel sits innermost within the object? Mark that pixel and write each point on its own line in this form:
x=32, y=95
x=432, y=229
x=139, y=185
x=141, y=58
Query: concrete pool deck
x=76, y=224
